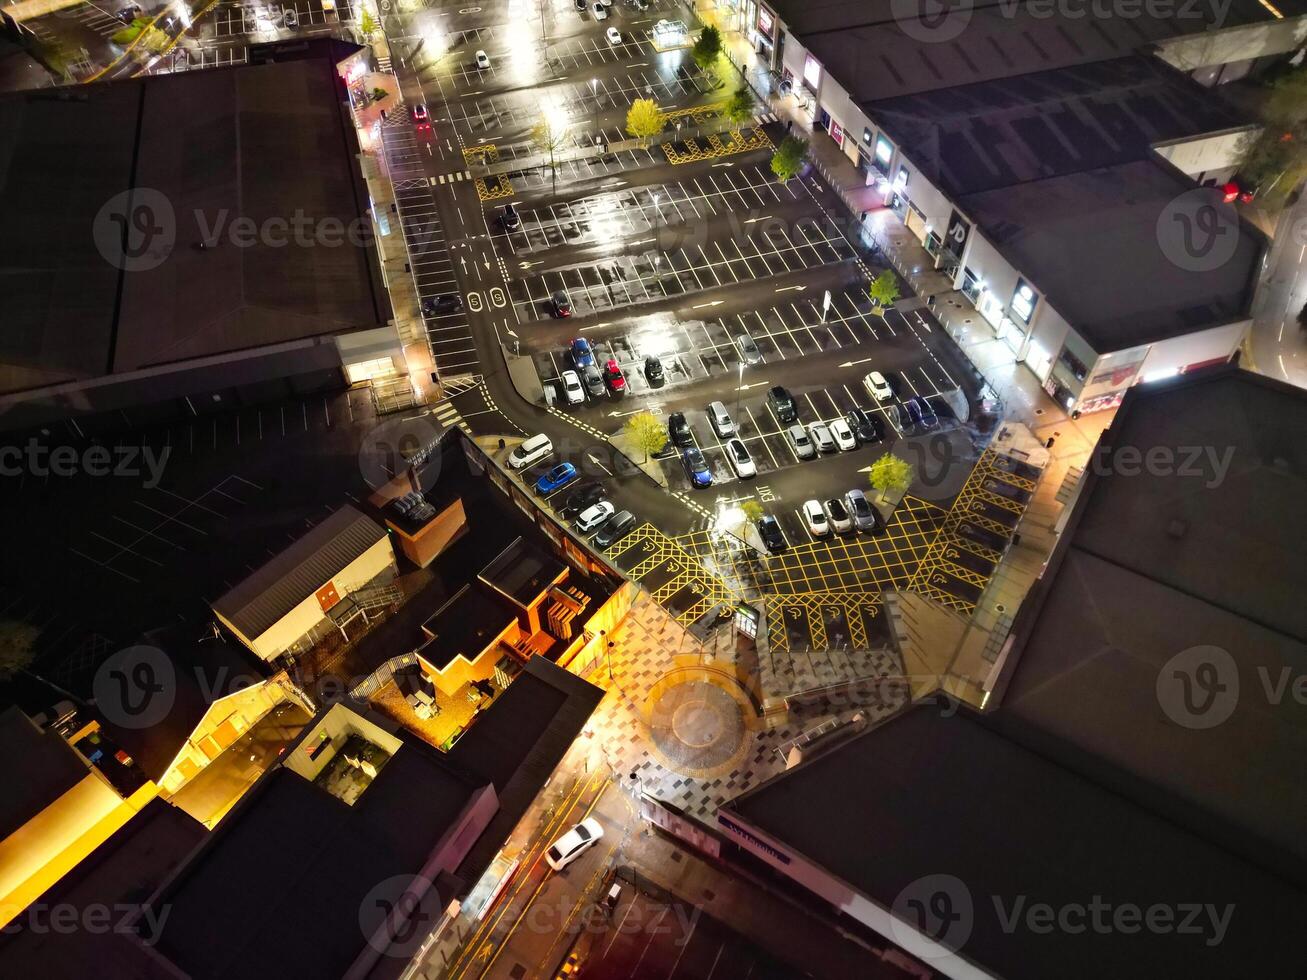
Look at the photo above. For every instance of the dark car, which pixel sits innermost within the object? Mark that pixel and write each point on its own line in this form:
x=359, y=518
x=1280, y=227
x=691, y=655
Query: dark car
x=593, y=381
x=769, y=529
x=509, y=218
x=696, y=467
x=580, y=4
x=909, y=414
x=678, y=430
x=783, y=404
x=560, y=306
x=653, y=371
x=921, y=412
x=421, y=118
x=615, y=528
x=445, y=303
x=867, y=427
x=584, y=496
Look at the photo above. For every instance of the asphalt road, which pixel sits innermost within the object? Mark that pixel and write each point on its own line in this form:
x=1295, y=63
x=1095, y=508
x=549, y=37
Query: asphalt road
x=1279, y=344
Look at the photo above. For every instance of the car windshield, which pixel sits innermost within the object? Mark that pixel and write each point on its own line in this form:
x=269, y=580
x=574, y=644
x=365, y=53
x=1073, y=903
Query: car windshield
x=582, y=833
x=837, y=510
x=556, y=854
x=860, y=506
x=741, y=453
x=801, y=438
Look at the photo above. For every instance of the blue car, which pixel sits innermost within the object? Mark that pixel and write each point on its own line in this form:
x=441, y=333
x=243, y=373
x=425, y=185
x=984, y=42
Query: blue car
x=557, y=478
x=696, y=467
x=582, y=355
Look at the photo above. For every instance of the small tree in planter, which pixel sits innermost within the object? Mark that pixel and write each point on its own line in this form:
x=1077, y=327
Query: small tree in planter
x=645, y=120
x=891, y=475
x=646, y=432
x=789, y=157
x=752, y=511
x=707, y=50
x=884, y=291
x=740, y=109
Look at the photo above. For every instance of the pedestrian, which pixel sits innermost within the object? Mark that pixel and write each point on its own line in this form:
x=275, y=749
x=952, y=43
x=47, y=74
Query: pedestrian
x=788, y=124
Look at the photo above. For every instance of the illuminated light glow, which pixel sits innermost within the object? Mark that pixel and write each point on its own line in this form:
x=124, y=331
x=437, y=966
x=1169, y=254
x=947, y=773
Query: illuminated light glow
x=1272, y=8
x=1161, y=375
x=812, y=72
x=884, y=150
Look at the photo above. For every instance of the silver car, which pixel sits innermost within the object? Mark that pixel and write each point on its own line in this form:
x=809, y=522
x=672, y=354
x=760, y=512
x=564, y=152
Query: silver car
x=803, y=447
x=821, y=436
x=749, y=352
x=860, y=509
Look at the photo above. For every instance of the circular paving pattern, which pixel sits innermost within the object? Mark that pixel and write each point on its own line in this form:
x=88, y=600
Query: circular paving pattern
x=697, y=727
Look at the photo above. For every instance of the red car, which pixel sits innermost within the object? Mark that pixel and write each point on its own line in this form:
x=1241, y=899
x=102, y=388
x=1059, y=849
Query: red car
x=614, y=378
x=421, y=118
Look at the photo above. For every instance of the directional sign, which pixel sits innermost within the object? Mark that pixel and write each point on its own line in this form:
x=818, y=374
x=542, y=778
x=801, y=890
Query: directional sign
x=852, y=363
x=474, y=302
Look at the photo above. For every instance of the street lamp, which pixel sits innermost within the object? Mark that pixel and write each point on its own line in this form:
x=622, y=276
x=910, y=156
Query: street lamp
x=594, y=93
x=739, y=388
x=657, y=213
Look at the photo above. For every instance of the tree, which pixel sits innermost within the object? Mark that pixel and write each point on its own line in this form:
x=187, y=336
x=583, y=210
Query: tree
x=1274, y=160
x=707, y=50
x=549, y=136
x=753, y=510
x=645, y=120
x=367, y=23
x=646, y=432
x=884, y=291
x=890, y=474
x=17, y=641
x=788, y=159
x=740, y=110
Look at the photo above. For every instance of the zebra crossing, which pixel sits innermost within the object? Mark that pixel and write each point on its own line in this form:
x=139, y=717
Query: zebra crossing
x=449, y=337
x=451, y=178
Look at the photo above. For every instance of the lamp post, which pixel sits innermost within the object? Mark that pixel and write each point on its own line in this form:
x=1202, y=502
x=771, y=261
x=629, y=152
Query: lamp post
x=594, y=92
x=739, y=388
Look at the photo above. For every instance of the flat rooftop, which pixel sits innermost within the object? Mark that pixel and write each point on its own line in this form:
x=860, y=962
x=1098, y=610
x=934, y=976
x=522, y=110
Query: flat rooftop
x=927, y=793
x=1090, y=242
x=875, y=55
x=1153, y=565
x=464, y=626
x=37, y=768
x=522, y=572
x=269, y=143
x=1031, y=127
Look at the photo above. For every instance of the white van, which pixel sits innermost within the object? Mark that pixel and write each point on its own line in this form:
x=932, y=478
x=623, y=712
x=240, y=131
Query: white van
x=532, y=451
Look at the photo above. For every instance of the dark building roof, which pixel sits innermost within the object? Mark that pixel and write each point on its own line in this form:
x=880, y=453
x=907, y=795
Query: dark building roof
x=298, y=572
x=874, y=54
x=276, y=891
x=203, y=673
x=1090, y=242
x=36, y=768
x=464, y=626
x=928, y=794
x=265, y=142
x=120, y=873
x=1152, y=565
x=1087, y=780
x=522, y=572
x=1031, y=127
x=517, y=743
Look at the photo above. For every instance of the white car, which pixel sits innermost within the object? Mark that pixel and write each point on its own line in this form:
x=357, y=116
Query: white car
x=844, y=437
x=483, y=60
x=573, y=389
x=599, y=10
x=878, y=387
x=815, y=518
x=574, y=843
x=741, y=461
x=592, y=517
x=614, y=35
x=838, y=515
x=821, y=437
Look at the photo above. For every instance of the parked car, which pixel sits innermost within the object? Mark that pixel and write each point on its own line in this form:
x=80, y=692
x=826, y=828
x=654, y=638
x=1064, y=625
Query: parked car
x=838, y=515
x=803, y=447
x=557, y=478
x=738, y=453
x=560, y=307
x=843, y=435
x=783, y=404
x=769, y=529
x=483, y=60
x=584, y=496
x=509, y=218
x=865, y=517
x=878, y=387
x=532, y=451
x=580, y=352
x=618, y=526
x=721, y=420
x=696, y=467
x=580, y=4
x=572, y=388
x=867, y=427
x=594, y=516
x=421, y=118
x=614, y=377
x=653, y=371
x=678, y=430
x=821, y=437
x=815, y=518
x=444, y=303
x=574, y=843
x=909, y=414
x=599, y=10
x=614, y=35
x=749, y=352
x=593, y=381
x=928, y=417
